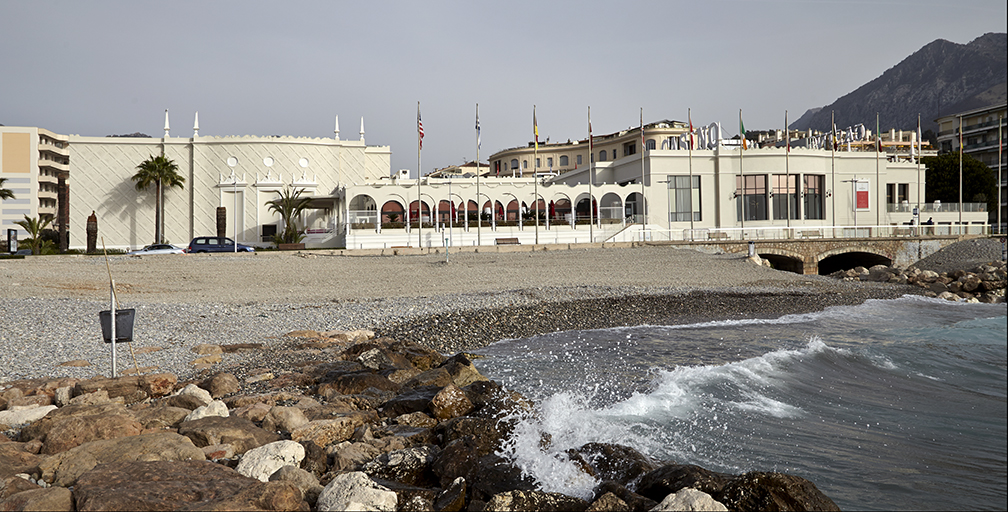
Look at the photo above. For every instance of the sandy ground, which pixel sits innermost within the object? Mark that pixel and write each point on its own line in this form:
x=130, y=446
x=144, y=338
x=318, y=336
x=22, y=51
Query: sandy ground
x=288, y=277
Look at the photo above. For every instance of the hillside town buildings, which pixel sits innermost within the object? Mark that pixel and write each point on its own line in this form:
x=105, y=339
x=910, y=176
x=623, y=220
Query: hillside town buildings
x=983, y=138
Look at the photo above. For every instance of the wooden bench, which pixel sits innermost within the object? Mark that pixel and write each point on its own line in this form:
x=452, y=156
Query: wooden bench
x=507, y=241
x=810, y=234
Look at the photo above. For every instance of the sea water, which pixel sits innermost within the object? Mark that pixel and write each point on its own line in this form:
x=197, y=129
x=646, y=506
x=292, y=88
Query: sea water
x=892, y=404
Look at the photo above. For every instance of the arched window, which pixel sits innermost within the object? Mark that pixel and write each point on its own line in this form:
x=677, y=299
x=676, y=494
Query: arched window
x=514, y=165
x=650, y=144
x=602, y=156
x=564, y=162
x=524, y=166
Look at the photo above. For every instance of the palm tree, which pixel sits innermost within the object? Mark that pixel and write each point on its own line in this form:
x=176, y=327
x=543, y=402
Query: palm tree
x=159, y=171
x=34, y=227
x=5, y=193
x=289, y=205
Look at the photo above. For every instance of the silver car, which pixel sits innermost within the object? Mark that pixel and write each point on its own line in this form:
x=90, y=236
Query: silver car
x=157, y=249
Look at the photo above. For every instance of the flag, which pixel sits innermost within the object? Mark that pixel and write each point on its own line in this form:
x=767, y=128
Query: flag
x=477, y=132
x=419, y=127
x=787, y=134
x=689, y=116
x=642, y=130
x=742, y=131
x=535, y=128
x=878, y=135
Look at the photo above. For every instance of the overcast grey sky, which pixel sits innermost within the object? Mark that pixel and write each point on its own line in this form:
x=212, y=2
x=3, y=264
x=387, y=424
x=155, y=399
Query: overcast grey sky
x=288, y=68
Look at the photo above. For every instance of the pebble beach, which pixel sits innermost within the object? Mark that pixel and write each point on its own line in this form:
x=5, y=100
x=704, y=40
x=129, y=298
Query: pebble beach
x=49, y=305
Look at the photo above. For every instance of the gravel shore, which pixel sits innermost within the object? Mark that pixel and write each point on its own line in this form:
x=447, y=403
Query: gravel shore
x=49, y=305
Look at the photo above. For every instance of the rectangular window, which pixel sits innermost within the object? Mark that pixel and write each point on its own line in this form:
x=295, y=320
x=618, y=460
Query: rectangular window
x=684, y=198
x=538, y=163
x=629, y=149
x=549, y=162
x=752, y=197
x=813, y=196
x=579, y=159
x=785, y=196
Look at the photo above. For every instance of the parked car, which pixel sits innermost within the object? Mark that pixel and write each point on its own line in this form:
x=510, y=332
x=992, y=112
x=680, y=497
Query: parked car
x=157, y=249
x=215, y=244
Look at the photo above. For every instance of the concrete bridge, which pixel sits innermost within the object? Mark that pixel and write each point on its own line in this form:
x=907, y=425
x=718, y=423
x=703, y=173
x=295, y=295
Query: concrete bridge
x=827, y=255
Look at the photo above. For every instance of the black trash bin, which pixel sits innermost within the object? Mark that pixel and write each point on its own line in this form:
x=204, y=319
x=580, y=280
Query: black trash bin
x=124, y=325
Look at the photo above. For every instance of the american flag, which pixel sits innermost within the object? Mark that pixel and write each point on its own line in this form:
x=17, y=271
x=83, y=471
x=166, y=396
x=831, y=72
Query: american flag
x=419, y=127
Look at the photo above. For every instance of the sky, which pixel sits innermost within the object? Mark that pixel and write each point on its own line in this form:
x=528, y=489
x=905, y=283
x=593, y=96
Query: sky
x=289, y=68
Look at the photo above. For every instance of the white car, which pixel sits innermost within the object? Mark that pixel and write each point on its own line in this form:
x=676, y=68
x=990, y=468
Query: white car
x=157, y=249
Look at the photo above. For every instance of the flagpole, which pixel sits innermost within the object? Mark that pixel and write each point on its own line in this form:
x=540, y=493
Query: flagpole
x=878, y=198
x=643, y=202
x=961, y=174
x=999, y=185
x=787, y=171
x=741, y=174
x=833, y=166
x=591, y=216
x=920, y=154
x=479, y=221
x=689, y=117
x=535, y=165
x=418, y=174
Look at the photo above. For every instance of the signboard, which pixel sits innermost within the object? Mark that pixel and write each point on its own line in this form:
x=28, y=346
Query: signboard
x=861, y=195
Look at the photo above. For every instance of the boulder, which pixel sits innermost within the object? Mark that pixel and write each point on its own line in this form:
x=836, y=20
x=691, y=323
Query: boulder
x=284, y=419
x=22, y=415
x=240, y=433
x=326, y=432
x=520, y=500
x=131, y=388
x=161, y=416
x=97, y=398
x=482, y=432
x=355, y=491
x=612, y=462
x=410, y=466
x=438, y=377
x=64, y=468
x=355, y=383
x=73, y=430
x=414, y=400
x=215, y=408
x=462, y=370
x=415, y=419
x=690, y=499
x=261, y=462
x=452, y=499
x=773, y=491
x=221, y=384
x=196, y=391
x=493, y=474
x=40, y=498
x=17, y=458
x=449, y=403
x=608, y=502
x=634, y=501
x=185, y=485
x=188, y=402
x=305, y=481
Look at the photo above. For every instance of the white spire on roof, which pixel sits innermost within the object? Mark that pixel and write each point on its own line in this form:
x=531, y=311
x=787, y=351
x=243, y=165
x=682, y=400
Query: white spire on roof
x=336, y=129
x=195, y=126
x=166, y=128
x=362, y=128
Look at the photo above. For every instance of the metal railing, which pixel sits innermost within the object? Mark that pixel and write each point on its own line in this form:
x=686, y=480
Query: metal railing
x=810, y=232
x=935, y=207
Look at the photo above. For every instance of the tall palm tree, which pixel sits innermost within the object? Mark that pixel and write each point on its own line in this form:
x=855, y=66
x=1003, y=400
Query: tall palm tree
x=5, y=193
x=34, y=227
x=289, y=206
x=160, y=171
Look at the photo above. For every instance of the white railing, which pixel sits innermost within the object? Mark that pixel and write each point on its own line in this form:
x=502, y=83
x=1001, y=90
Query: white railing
x=809, y=232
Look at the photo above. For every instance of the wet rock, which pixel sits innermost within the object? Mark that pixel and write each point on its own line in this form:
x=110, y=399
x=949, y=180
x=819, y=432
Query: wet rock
x=608, y=502
x=414, y=400
x=409, y=466
x=462, y=370
x=534, y=500
x=355, y=383
x=773, y=491
x=449, y=403
x=612, y=462
x=483, y=433
x=452, y=499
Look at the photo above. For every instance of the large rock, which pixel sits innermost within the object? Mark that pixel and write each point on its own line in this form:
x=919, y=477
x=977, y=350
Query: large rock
x=240, y=433
x=196, y=391
x=355, y=383
x=17, y=458
x=284, y=419
x=189, y=485
x=409, y=466
x=414, y=400
x=519, y=500
x=690, y=499
x=347, y=456
x=307, y=482
x=188, y=402
x=326, y=432
x=64, y=468
x=261, y=462
x=215, y=408
x=355, y=491
x=49, y=498
x=22, y=415
x=161, y=417
x=73, y=425
x=221, y=384
x=612, y=462
x=462, y=370
x=449, y=403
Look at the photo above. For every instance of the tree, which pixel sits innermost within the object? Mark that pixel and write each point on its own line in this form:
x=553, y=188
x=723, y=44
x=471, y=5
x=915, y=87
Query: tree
x=5, y=193
x=289, y=205
x=942, y=178
x=159, y=171
x=34, y=227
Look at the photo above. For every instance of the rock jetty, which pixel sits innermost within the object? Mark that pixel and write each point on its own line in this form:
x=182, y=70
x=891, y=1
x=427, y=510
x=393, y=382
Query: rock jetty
x=364, y=424
x=983, y=283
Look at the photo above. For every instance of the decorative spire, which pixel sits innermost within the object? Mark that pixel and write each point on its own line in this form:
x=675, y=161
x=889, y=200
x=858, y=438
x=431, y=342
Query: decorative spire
x=166, y=128
x=336, y=130
x=362, y=128
x=195, y=126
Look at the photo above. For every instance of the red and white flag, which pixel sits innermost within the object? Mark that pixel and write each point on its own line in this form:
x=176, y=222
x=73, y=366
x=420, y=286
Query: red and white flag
x=419, y=127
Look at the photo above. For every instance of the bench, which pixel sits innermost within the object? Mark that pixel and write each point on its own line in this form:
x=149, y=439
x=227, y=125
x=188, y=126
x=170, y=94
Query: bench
x=810, y=234
x=717, y=235
x=901, y=231
x=507, y=241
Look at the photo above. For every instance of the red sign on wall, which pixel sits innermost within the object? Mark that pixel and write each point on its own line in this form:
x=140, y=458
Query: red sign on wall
x=861, y=195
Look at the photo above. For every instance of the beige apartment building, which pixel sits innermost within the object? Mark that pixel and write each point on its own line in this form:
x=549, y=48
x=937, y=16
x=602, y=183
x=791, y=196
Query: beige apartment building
x=36, y=164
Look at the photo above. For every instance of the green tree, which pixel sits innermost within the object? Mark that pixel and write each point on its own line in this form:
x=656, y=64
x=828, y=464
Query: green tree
x=34, y=227
x=942, y=179
x=162, y=172
x=5, y=193
x=289, y=206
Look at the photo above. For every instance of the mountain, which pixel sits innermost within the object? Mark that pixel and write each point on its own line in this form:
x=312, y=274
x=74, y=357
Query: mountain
x=939, y=79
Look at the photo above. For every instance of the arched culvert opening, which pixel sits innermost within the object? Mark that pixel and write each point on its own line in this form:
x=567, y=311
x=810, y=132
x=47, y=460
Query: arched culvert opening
x=785, y=263
x=849, y=260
